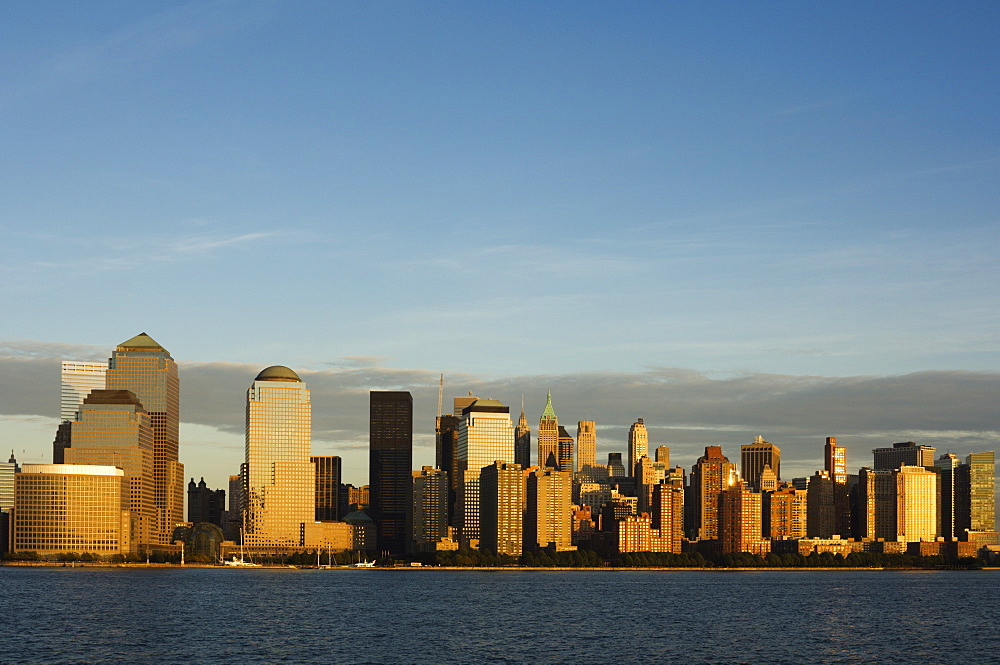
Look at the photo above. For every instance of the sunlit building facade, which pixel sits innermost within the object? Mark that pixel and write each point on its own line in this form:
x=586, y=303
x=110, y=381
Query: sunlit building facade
x=501, y=508
x=982, y=501
x=60, y=508
x=113, y=429
x=757, y=455
x=710, y=476
x=586, y=444
x=144, y=367
x=638, y=444
x=280, y=478
x=548, y=516
x=917, y=505
x=485, y=436
x=548, y=436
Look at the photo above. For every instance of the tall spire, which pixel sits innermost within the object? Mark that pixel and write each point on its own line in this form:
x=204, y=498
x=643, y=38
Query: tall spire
x=549, y=413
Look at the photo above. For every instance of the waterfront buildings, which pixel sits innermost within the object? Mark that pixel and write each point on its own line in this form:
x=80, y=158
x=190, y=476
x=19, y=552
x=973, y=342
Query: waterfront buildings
x=113, y=429
x=62, y=508
x=280, y=479
x=390, y=464
x=429, y=515
x=549, y=509
x=905, y=453
x=982, y=506
x=501, y=505
x=145, y=368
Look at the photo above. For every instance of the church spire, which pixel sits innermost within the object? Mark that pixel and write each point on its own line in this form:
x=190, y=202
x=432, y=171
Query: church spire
x=549, y=413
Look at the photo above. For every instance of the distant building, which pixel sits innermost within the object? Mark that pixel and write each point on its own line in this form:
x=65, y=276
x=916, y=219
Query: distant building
x=327, y=474
x=906, y=453
x=548, y=512
x=548, y=436
x=836, y=460
x=662, y=456
x=917, y=494
x=982, y=506
x=522, y=440
x=60, y=508
x=430, y=508
x=740, y=521
x=566, y=451
x=784, y=513
x=205, y=505
x=757, y=455
x=586, y=444
x=711, y=474
x=638, y=444
x=390, y=464
x=485, y=436
x=501, y=505
x=78, y=379
x=615, y=467
x=447, y=459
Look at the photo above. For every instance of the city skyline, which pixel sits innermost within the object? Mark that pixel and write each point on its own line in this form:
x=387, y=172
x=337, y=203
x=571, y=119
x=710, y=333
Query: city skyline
x=754, y=220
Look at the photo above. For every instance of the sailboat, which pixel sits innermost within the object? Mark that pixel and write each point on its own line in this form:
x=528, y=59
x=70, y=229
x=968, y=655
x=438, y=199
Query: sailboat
x=241, y=562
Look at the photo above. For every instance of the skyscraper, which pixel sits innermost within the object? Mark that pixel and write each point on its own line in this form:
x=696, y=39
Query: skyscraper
x=586, y=444
x=78, y=379
x=144, y=367
x=740, y=521
x=501, y=506
x=615, y=467
x=917, y=515
x=485, y=436
x=836, y=460
x=327, y=487
x=548, y=518
x=710, y=475
x=205, y=504
x=430, y=508
x=755, y=456
x=905, y=453
x=566, y=451
x=548, y=436
x=638, y=444
x=112, y=429
x=280, y=479
x=390, y=465
x=522, y=441
x=982, y=506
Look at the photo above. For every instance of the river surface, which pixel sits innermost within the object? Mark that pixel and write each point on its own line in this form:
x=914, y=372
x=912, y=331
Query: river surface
x=249, y=617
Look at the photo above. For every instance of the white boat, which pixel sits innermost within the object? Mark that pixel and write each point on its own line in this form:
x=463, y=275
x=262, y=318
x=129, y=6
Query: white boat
x=363, y=564
x=238, y=562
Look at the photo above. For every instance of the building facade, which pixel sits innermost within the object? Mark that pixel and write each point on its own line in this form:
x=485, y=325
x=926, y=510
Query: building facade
x=754, y=457
x=501, y=506
x=548, y=436
x=145, y=368
x=78, y=378
x=485, y=436
x=390, y=436
x=638, y=444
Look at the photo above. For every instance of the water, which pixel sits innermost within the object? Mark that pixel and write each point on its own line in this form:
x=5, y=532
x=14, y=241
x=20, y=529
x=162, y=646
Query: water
x=248, y=617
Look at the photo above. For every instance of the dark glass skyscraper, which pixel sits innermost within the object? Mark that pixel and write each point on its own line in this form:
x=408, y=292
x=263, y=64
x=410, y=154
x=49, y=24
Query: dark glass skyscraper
x=327, y=487
x=390, y=435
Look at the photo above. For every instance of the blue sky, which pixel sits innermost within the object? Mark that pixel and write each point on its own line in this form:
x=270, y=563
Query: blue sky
x=497, y=190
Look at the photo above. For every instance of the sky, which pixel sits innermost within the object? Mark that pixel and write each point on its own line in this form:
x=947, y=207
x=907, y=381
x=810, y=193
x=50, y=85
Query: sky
x=729, y=219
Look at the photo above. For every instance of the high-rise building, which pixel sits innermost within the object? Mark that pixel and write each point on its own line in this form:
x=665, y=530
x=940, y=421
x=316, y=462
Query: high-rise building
x=144, y=367
x=566, y=451
x=78, y=508
x=205, y=504
x=327, y=487
x=638, y=444
x=7, y=471
x=586, y=444
x=78, y=379
x=280, y=480
x=615, y=467
x=233, y=524
x=875, y=505
x=447, y=460
x=821, y=520
x=668, y=515
x=548, y=518
x=905, y=453
x=522, y=440
x=982, y=503
x=501, y=506
x=390, y=465
x=740, y=521
x=662, y=456
x=710, y=475
x=755, y=456
x=112, y=429
x=430, y=508
x=548, y=436
x=784, y=513
x=836, y=460
x=917, y=504
x=485, y=436
x=948, y=466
